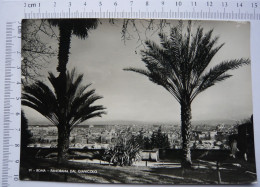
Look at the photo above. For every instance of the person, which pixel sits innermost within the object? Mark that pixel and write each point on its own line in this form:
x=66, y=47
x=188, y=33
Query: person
x=234, y=148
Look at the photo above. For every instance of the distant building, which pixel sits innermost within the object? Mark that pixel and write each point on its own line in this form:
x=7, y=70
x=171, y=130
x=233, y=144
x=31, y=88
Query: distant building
x=212, y=135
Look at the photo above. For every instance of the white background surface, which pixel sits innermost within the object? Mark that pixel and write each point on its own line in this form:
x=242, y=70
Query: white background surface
x=14, y=11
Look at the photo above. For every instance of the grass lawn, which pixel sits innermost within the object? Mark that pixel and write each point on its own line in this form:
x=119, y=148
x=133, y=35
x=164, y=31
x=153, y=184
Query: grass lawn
x=203, y=173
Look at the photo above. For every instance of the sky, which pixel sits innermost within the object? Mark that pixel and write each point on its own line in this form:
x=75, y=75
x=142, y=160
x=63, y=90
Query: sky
x=131, y=96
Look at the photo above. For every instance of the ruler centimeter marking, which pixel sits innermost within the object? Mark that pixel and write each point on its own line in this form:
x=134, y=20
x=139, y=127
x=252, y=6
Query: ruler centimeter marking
x=165, y=9
x=7, y=103
x=153, y=15
x=11, y=108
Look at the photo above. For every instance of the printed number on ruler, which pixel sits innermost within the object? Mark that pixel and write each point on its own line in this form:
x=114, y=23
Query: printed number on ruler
x=202, y=9
x=12, y=103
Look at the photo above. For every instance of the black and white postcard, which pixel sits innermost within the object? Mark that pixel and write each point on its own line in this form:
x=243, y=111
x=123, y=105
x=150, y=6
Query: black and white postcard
x=137, y=102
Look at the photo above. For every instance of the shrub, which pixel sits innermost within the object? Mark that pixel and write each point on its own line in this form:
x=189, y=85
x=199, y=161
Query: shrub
x=123, y=152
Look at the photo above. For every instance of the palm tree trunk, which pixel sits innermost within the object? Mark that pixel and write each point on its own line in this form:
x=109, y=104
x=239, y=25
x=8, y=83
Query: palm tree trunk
x=64, y=46
x=63, y=143
x=186, y=133
x=63, y=58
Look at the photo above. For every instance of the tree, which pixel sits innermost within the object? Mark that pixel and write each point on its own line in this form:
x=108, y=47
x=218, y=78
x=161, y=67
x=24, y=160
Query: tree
x=179, y=65
x=66, y=114
x=67, y=28
x=36, y=52
x=25, y=133
x=159, y=139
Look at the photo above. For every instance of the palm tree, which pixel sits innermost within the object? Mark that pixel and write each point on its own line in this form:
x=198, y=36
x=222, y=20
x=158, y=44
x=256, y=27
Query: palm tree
x=78, y=106
x=67, y=28
x=179, y=65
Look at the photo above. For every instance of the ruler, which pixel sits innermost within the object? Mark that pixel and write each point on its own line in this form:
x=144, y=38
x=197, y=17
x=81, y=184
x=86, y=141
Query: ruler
x=11, y=107
x=168, y=9
x=12, y=12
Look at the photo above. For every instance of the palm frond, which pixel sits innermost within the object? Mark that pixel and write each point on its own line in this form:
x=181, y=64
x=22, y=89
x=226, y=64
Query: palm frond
x=171, y=84
x=73, y=86
x=52, y=117
x=79, y=27
x=55, y=84
x=179, y=62
x=218, y=74
x=140, y=71
x=78, y=101
x=39, y=97
x=85, y=113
